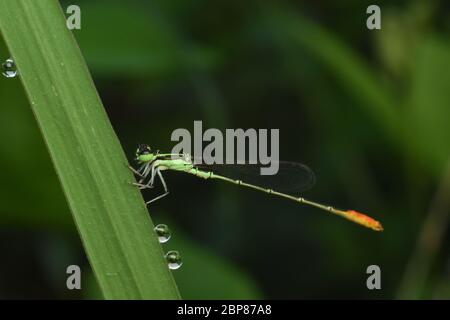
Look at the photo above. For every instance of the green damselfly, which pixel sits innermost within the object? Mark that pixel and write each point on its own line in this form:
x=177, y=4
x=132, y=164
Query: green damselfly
x=151, y=165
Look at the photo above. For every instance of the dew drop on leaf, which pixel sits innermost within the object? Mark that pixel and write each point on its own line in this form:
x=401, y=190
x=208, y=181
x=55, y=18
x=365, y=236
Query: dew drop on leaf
x=9, y=68
x=173, y=259
x=163, y=233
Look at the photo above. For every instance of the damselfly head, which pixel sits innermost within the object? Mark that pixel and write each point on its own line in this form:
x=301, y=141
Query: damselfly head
x=143, y=152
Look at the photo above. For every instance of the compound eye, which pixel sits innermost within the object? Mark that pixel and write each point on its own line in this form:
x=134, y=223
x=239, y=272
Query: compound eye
x=143, y=149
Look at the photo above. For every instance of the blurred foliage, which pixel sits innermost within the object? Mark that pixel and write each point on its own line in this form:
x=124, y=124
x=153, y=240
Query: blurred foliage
x=367, y=110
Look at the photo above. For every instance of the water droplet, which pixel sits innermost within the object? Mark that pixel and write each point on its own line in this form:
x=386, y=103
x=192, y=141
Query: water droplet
x=163, y=233
x=9, y=68
x=173, y=259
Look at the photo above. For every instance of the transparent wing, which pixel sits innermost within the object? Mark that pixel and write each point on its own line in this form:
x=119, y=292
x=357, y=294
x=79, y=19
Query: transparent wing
x=292, y=177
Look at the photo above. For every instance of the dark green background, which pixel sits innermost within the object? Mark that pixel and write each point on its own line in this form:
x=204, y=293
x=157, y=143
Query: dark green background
x=368, y=111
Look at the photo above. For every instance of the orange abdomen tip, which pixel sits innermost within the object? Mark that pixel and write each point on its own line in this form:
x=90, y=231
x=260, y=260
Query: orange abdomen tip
x=363, y=220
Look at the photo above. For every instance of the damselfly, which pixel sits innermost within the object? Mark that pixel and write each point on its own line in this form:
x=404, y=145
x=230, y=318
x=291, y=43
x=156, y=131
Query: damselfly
x=291, y=175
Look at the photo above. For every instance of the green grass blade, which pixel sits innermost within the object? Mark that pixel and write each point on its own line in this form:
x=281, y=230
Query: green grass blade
x=109, y=212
